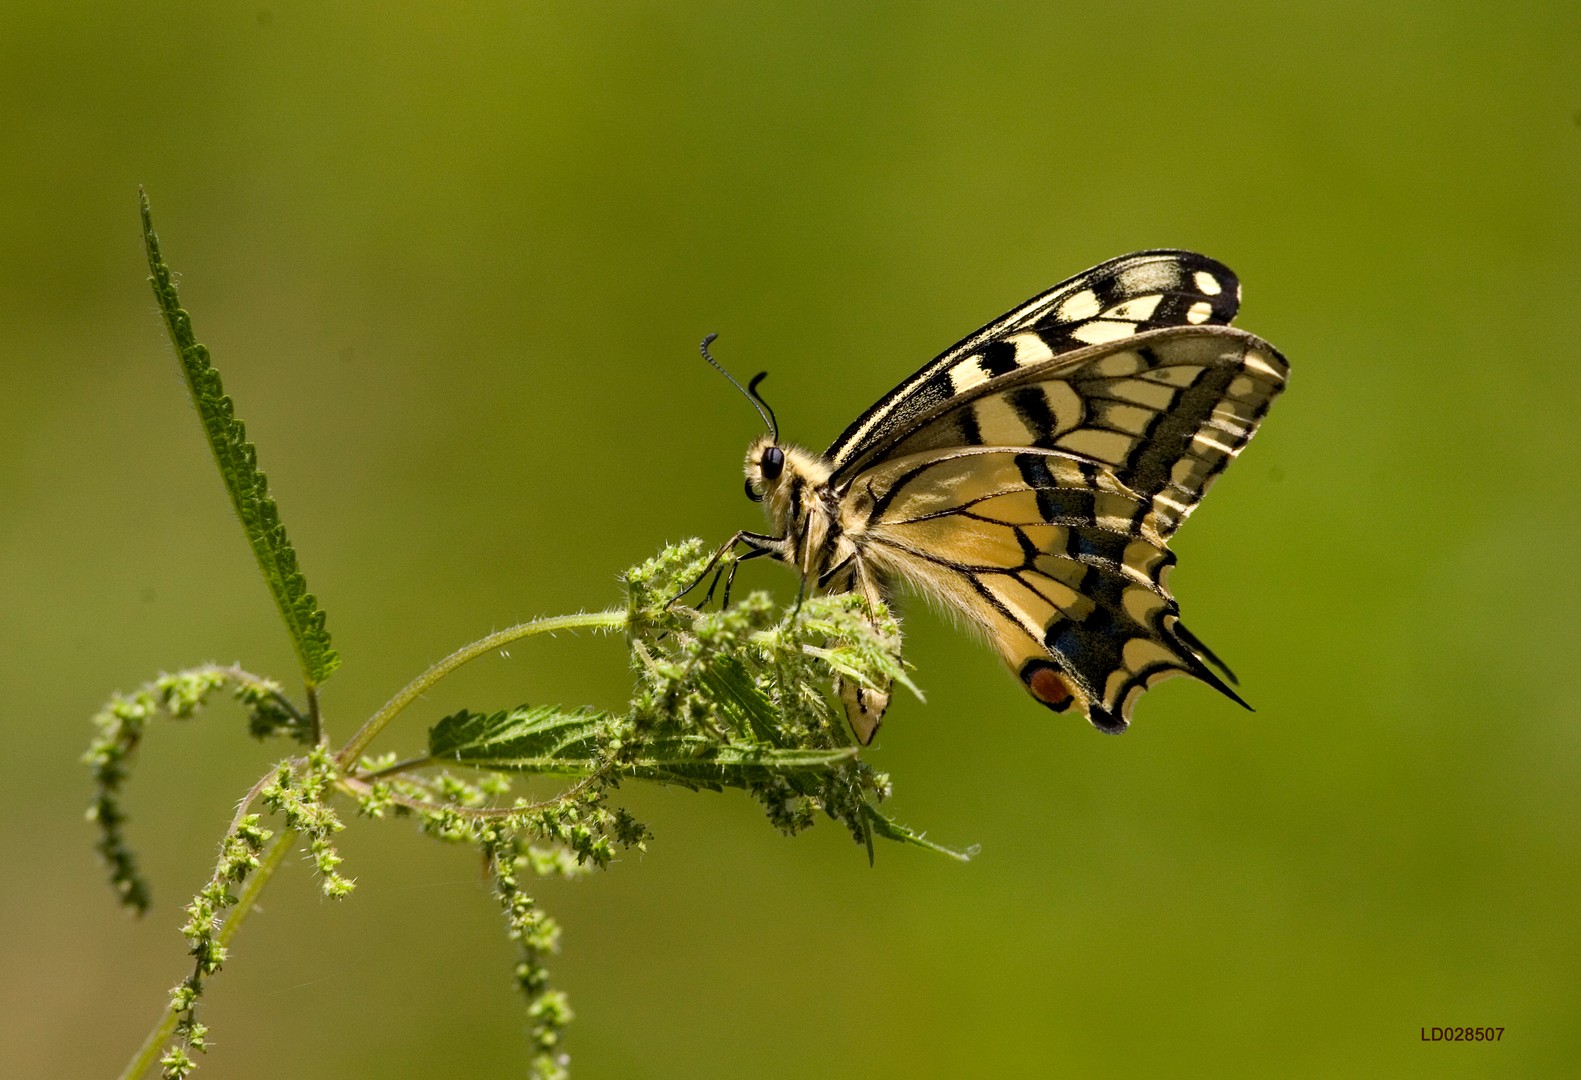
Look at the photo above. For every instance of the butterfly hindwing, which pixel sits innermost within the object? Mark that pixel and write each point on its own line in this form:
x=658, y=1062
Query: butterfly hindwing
x=1135, y=293
x=1046, y=554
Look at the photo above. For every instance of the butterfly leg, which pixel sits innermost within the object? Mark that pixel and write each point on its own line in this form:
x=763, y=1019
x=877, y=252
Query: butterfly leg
x=803, y=561
x=730, y=578
x=801, y=594
x=757, y=542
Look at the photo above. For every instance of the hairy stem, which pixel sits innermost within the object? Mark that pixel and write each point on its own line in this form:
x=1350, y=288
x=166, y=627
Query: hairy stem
x=244, y=807
x=598, y=620
x=397, y=769
x=148, y=1054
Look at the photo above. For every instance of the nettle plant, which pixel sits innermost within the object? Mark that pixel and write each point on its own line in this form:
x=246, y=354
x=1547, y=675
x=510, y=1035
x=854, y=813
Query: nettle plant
x=732, y=698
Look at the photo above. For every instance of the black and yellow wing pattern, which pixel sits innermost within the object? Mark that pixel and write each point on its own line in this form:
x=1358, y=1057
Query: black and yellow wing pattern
x=1135, y=293
x=1030, y=477
x=1040, y=504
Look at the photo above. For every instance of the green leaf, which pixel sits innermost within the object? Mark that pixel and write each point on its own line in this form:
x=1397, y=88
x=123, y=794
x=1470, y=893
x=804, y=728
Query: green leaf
x=893, y=830
x=238, y=463
x=549, y=741
x=701, y=761
x=536, y=739
x=739, y=698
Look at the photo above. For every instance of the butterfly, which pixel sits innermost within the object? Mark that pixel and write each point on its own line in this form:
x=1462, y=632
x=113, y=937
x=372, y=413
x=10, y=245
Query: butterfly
x=1030, y=477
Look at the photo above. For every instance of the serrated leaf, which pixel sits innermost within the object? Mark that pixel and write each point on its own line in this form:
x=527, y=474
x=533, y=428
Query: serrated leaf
x=549, y=741
x=238, y=464
x=742, y=701
x=537, y=739
x=697, y=761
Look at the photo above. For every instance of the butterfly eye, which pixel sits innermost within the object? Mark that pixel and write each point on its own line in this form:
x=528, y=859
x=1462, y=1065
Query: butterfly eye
x=772, y=463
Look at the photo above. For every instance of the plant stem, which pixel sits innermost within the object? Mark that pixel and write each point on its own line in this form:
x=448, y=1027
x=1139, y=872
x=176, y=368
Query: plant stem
x=395, y=770
x=148, y=1054
x=598, y=620
x=313, y=714
x=245, y=805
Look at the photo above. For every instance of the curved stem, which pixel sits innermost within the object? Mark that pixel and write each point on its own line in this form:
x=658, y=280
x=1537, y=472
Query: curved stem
x=237, y=673
x=148, y=1054
x=394, y=770
x=263, y=781
x=598, y=620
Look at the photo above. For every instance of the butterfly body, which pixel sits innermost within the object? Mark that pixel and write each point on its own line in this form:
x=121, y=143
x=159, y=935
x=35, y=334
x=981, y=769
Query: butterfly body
x=1029, y=479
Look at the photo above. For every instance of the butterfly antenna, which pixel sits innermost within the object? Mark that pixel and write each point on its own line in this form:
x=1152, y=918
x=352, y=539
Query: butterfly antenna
x=750, y=391
x=752, y=388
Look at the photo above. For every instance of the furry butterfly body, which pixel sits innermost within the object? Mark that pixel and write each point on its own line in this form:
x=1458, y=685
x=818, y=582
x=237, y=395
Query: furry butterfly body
x=1030, y=477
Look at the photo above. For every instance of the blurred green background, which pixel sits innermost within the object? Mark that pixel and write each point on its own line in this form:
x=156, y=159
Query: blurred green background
x=454, y=262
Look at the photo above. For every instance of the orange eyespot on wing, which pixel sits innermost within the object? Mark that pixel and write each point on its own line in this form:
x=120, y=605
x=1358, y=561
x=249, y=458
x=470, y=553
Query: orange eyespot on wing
x=1044, y=683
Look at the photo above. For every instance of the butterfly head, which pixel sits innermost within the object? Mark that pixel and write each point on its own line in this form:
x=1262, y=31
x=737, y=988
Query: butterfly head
x=777, y=475
x=765, y=468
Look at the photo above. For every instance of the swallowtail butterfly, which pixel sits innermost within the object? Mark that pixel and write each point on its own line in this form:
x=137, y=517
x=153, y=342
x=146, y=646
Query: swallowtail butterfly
x=1030, y=477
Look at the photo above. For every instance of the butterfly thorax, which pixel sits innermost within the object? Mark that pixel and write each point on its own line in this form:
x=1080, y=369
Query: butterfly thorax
x=824, y=544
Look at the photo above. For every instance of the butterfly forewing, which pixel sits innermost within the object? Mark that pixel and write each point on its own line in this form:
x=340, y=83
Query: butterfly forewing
x=1163, y=413
x=1132, y=294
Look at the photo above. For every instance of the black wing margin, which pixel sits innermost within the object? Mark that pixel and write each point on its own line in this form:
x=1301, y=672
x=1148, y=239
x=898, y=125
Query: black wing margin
x=1163, y=412
x=1132, y=294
